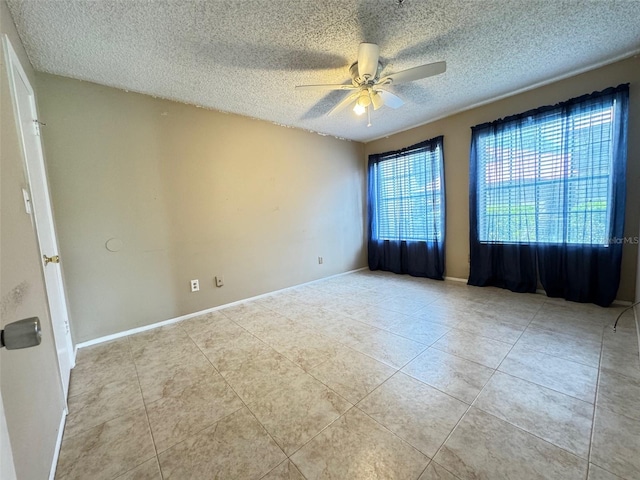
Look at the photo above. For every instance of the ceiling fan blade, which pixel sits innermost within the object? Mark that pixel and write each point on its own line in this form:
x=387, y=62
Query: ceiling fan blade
x=328, y=86
x=415, y=73
x=368, y=56
x=391, y=100
x=346, y=101
x=376, y=100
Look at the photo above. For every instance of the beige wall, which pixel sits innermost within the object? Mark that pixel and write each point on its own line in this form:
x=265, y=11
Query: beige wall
x=191, y=193
x=457, y=139
x=29, y=381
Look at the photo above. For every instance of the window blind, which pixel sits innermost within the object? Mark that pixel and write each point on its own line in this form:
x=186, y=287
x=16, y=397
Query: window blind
x=409, y=197
x=546, y=178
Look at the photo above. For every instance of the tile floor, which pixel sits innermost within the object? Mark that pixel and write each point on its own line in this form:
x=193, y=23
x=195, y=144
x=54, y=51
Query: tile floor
x=364, y=376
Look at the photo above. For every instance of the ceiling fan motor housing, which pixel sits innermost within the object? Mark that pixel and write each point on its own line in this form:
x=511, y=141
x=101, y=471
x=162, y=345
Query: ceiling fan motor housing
x=355, y=76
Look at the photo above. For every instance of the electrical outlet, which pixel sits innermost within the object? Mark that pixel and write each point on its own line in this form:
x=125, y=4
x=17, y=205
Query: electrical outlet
x=320, y=261
x=219, y=281
x=195, y=285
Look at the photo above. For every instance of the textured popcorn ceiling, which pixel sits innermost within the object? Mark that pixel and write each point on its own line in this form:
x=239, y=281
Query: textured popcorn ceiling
x=246, y=56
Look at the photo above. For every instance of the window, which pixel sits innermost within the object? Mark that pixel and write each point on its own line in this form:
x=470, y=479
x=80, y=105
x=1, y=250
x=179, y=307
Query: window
x=407, y=201
x=547, y=177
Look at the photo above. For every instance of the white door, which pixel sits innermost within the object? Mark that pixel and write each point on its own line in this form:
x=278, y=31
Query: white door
x=7, y=468
x=40, y=203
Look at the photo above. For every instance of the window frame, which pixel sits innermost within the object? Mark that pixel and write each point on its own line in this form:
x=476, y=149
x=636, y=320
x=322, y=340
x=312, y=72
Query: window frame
x=569, y=115
x=431, y=148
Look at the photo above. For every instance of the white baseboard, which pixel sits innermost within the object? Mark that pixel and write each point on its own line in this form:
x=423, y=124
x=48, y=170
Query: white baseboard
x=456, y=279
x=621, y=303
x=56, y=452
x=170, y=321
x=635, y=314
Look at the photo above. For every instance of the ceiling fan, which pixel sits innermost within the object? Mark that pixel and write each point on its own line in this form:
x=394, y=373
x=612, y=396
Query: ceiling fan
x=366, y=84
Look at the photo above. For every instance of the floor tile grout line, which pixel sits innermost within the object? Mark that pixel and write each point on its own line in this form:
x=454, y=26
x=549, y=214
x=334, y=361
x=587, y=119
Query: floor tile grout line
x=595, y=406
x=395, y=435
x=558, y=357
x=321, y=430
x=533, y=435
x=461, y=329
x=146, y=412
x=336, y=341
x=101, y=423
x=544, y=327
x=128, y=412
x=445, y=469
x=303, y=370
x=105, y=421
x=386, y=330
x=512, y=346
x=480, y=392
x=496, y=369
x=245, y=405
x=284, y=355
x=462, y=417
x=396, y=370
x=386, y=428
x=453, y=355
x=349, y=402
x=602, y=407
x=441, y=391
x=572, y=397
x=341, y=396
x=435, y=387
x=523, y=429
x=515, y=343
x=534, y=349
x=158, y=453
x=545, y=386
x=274, y=468
x=466, y=358
x=354, y=406
x=506, y=421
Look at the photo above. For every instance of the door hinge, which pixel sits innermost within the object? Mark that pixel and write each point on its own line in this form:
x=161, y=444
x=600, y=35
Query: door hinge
x=36, y=126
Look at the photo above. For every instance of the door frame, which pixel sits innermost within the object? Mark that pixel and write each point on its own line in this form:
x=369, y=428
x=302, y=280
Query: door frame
x=7, y=467
x=42, y=215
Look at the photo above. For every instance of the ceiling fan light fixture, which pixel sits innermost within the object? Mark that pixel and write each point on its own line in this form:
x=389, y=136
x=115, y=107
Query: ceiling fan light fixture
x=362, y=103
x=377, y=100
x=364, y=99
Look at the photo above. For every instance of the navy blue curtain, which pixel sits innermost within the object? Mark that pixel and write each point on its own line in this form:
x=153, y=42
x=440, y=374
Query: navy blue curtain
x=504, y=265
x=547, y=198
x=406, y=207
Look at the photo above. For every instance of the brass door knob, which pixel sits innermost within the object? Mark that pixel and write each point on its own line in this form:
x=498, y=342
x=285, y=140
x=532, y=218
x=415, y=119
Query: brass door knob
x=48, y=260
